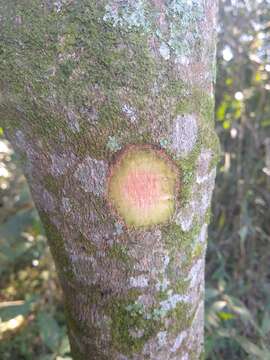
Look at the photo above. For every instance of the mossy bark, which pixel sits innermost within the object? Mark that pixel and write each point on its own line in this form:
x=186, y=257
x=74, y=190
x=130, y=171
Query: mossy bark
x=81, y=81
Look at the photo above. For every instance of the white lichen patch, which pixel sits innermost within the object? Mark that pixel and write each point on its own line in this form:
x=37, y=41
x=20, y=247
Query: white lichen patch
x=198, y=205
x=72, y=121
x=130, y=113
x=58, y=5
x=163, y=143
x=118, y=228
x=138, y=282
x=203, y=164
x=129, y=13
x=184, y=134
x=61, y=163
x=162, y=338
x=185, y=216
x=164, y=51
x=113, y=144
x=91, y=174
x=187, y=15
x=185, y=357
x=179, y=38
x=182, y=60
x=171, y=302
x=165, y=262
x=203, y=234
x=196, y=272
x=204, y=193
x=178, y=341
x=66, y=205
x=137, y=334
x=162, y=285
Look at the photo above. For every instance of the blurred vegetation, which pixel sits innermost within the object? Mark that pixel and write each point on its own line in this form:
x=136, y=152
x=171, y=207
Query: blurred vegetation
x=32, y=324
x=238, y=259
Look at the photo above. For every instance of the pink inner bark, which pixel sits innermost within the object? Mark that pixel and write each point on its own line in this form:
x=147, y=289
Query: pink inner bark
x=142, y=189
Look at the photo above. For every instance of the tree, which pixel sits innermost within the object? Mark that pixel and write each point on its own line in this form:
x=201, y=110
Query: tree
x=110, y=104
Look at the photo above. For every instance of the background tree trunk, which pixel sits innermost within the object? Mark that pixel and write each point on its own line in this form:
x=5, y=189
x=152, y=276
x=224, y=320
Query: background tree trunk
x=106, y=101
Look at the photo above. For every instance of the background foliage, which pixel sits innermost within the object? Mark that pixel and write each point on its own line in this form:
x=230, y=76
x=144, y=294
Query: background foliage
x=32, y=324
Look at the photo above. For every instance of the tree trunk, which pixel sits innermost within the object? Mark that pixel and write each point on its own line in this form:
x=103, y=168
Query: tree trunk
x=110, y=103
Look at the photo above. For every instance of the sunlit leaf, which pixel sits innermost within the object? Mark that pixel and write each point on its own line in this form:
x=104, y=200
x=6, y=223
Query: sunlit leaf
x=218, y=305
x=265, y=123
x=226, y=124
x=64, y=347
x=229, y=81
x=221, y=111
x=8, y=327
x=225, y=315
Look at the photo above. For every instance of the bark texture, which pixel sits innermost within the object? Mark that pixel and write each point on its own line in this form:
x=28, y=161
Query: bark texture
x=81, y=81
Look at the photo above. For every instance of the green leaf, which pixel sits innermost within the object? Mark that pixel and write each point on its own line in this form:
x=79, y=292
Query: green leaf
x=64, y=347
x=8, y=312
x=211, y=293
x=265, y=123
x=49, y=330
x=266, y=323
x=226, y=124
x=250, y=347
x=221, y=111
x=225, y=315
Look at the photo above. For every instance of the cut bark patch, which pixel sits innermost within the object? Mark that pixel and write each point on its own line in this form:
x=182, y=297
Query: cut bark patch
x=142, y=186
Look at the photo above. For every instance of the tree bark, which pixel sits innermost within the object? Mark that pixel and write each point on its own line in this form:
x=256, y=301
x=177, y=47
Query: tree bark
x=110, y=103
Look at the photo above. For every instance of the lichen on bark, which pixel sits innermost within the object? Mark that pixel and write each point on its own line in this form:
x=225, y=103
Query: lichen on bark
x=81, y=81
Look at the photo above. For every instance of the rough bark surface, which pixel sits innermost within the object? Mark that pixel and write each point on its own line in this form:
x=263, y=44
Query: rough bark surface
x=80, y=82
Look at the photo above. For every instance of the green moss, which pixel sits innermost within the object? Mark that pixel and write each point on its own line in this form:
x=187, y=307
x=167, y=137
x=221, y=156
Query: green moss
x=85, y=245
x=57, y=246
x=176, y=238
x=182, y=317
x=181, y=286
x=197, y=251
x=161, y=295
x=102, y=65
x=202, y=356
x=186, y=244
x=187, y=173
x=208, y=216
x=128, y=317
x=118, y=251
x=90, y=78
x=51, y=184
x=199, y=102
